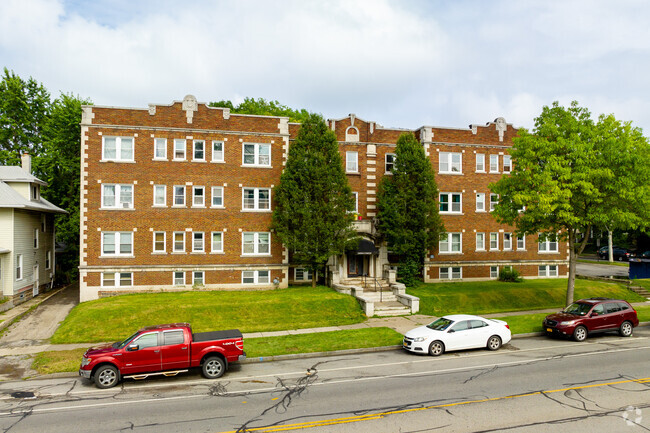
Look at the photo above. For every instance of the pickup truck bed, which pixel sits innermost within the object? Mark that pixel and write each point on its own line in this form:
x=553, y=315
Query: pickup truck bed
x=216, y=335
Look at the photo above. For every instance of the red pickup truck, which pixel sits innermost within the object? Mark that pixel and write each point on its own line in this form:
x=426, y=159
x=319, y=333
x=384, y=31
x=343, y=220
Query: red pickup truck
x=162, y=350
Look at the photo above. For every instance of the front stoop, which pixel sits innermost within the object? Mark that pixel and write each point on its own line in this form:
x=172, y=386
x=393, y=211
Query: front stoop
x=391, y=302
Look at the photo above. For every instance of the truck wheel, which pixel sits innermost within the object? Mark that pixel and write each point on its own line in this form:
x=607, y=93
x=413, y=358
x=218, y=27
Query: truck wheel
x=106, y=376
x=214, y=367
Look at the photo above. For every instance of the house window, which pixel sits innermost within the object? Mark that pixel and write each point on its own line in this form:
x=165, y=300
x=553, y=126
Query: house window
x=494, y=200
x=19, y=267
x=494, y=163
x=256, y=199
x=480, y=241
x=159, y=241
x=547, y=244
x=257, y=154
x=179, y=278
x=450, y=243
x=159, y=195
x=197, y=242
x=494, y=272
x=548, y=271
x=480, y=202
x=451, y=273
x=217, y=242
x=117, y=279
x=480, y=163
x=160, y=149
x=302, y=274
x=494, y=241
x=507, y=241
x=108, y=279
x=256, y=243
x=199, y=150
x=116, y=196
x=198, y=196
x=255, y=277
x=521, y=242
x=450, y=202
x=117, y=243
x=179, y=195
x=35, y=192
x=507, y=164
x=48, y=260
x=352, y=162
x=180, y=144
x=117, y=149
x=450, y=162
x=217, y=196
x=35, y=238
x=179, y=242
x=198, y=278
x=217, y=151
x=390, y=162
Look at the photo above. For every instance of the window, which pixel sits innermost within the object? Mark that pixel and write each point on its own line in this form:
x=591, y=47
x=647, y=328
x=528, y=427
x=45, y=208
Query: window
x=35, y=238
x=44, y=224
x=507, y=164
x=480, y=241
x=117, y=243
x=19, y=267
x=451, y=273
x=36, y=193
x=450, y=162
x=355, y=196
x=494, y=241
x=507, y=241
x=255, y=277
x=547, y=244
x=547, y=271
x=480, y=162
x=217, y=196
x=198, y=196
x=146, y=340
x=217, y=151
x=159, y=242
x=179, y=278
x=179, y=242
x=390, y=162
x=160, y=148
x=198, y=278
x=117, y=279
x=217, y=242
x=179, y=195
x=352, y=162
x=494, y=272
x=197, y=242
x=494, y=200
x=494, y=163
x=171, y=338
x=116, y=196
x=521, y=242
x=48, y=260
x=199, y=150
x=450, y=202
x=256, y=199
x=108, y=279
x=160, y=195
x=450, y=243
x=480, y=202
x=179, y=149
x=257, y=154
x=117, y=149
x=256, y=243
x=302, y=274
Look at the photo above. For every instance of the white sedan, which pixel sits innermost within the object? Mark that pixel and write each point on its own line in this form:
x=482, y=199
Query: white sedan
x=457, y=332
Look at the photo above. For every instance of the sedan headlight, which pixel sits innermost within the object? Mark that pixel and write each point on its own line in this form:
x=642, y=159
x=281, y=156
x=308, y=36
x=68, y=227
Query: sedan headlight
x=419, y=339
x=570, y=322
x=85, y=361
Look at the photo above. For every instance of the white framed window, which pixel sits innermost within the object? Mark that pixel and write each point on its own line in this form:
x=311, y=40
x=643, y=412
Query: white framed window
x=494, y=241
x=521, y=243
x=480, y=241
x=480, y=202
x=198, y=196
x=217, y=196
x=36, y=192
x=117, y=196
x=255, y=277
x=180, y=147
x=390, y=162
x=160, y=195
x=179, y=242
x=117, y=279
x=352, y=162
x=480, y=163
x=494, y=201
x=494, y=163
x=450, y=243
x=35, y=238
x=217, y=151
x=179, y=195
x=159, y=242
x=507, y=241
x=198, y=278
x=302, y=274
x=48, y=261
x=198, y=242
x=256, y=199
x=547, y=271
x=256, y=154
x=199, y=150
x=160, y=149
x=507, y=164
x=450, y=162
x=451, y=202
x=179, y=278
x=19, y=267
x=217, y=242
x=451, y=273
x=547, y=244
x=117, y=243
x=117, y=148
x=355, y=196
x=256, y=243
x=44, y=225
x=494, y=272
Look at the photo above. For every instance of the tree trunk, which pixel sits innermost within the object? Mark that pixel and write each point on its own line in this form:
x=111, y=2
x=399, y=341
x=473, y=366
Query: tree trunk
x=610, y=254
x=572, y=269
x=314, y=278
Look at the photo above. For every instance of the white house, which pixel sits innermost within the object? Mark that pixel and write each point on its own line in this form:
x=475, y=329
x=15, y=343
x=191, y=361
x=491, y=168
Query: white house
x=26, y=234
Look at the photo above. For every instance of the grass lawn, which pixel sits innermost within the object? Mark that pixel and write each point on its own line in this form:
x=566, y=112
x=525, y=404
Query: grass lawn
x=115, y=318
x=484, y=297
x=642, y=283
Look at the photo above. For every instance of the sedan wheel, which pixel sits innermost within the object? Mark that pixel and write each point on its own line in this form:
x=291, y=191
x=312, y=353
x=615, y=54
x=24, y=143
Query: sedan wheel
x=436, y=348
x=626, y=329
x=494, y=343
x=580, y=333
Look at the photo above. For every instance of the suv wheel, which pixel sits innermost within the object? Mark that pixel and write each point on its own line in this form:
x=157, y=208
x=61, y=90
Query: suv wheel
x=626, y=329
x=580, y=333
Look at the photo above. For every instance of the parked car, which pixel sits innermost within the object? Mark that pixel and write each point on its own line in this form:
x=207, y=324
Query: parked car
x=642, y=254
x=591, y=316
x=162, y=350
x=620, y=254
x=457, y=332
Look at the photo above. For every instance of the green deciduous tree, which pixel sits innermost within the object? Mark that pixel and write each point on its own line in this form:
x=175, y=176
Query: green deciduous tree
x=263, y=107
x=313, y=201
x=407, y=207
x=572, y=174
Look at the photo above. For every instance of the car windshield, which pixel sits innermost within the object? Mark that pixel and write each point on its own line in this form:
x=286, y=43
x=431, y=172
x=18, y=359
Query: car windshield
x=120, y=345
x=578, y=309
x=440, y=324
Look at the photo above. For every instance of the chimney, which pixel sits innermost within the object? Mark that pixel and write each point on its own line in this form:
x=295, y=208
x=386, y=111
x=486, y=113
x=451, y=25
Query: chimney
x=27, y=162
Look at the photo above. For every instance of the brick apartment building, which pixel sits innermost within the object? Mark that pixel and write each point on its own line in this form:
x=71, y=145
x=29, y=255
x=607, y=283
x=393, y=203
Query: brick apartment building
x=179, y=196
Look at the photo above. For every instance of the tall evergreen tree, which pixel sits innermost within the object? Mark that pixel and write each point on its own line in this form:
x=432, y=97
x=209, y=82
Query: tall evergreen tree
x=313, y=201
x=407, y=208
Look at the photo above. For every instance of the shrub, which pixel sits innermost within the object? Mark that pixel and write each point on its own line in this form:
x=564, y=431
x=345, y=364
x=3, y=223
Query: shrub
x=510, y=275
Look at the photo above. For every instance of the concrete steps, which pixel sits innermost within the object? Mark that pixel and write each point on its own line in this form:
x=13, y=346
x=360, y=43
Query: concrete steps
x=391, y=308
x=641, y=291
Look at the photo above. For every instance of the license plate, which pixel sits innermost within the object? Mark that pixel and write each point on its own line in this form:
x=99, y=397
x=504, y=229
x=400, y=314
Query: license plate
x=549, y=330
x=405, y=345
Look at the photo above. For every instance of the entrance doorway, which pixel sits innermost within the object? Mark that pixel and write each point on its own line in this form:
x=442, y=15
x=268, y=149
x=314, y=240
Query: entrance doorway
x=356, y=265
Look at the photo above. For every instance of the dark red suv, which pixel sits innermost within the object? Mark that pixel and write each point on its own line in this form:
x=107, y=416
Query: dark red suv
x=590, y=316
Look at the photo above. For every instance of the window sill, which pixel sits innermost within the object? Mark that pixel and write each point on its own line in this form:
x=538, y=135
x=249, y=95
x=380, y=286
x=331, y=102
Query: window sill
x=125, y=161
x=217, y=252
x=480, y=171
x=450, y=253
x=178, y=252
x=453, y=173
x=495, y=172
x=198, y=207
x=481, y=211
x=199, y=160
x=197, y=253
x=116, y=256
x=117, y=208
x=217, y=207
x=159, y=253
x=177, y=206
x=257, y=210
x=451, y=213
x=255, y=166
x=179, y=160
x=160, y=159
x=255, y=255
x=159, y=206
x=218, y=162
x=548, y=252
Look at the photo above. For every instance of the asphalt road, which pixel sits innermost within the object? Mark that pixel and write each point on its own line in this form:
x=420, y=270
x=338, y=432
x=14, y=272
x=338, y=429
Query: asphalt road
x=602, y=384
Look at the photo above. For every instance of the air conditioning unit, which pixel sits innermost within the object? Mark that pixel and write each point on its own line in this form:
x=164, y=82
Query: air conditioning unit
x=126, y=205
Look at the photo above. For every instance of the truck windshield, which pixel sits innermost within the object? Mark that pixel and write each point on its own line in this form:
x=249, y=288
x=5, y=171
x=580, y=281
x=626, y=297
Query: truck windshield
x=578, y=309
x=120, y=345
x=440, y=324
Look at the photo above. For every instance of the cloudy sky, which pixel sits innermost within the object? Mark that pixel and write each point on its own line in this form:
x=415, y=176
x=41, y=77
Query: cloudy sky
x=399, y=63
